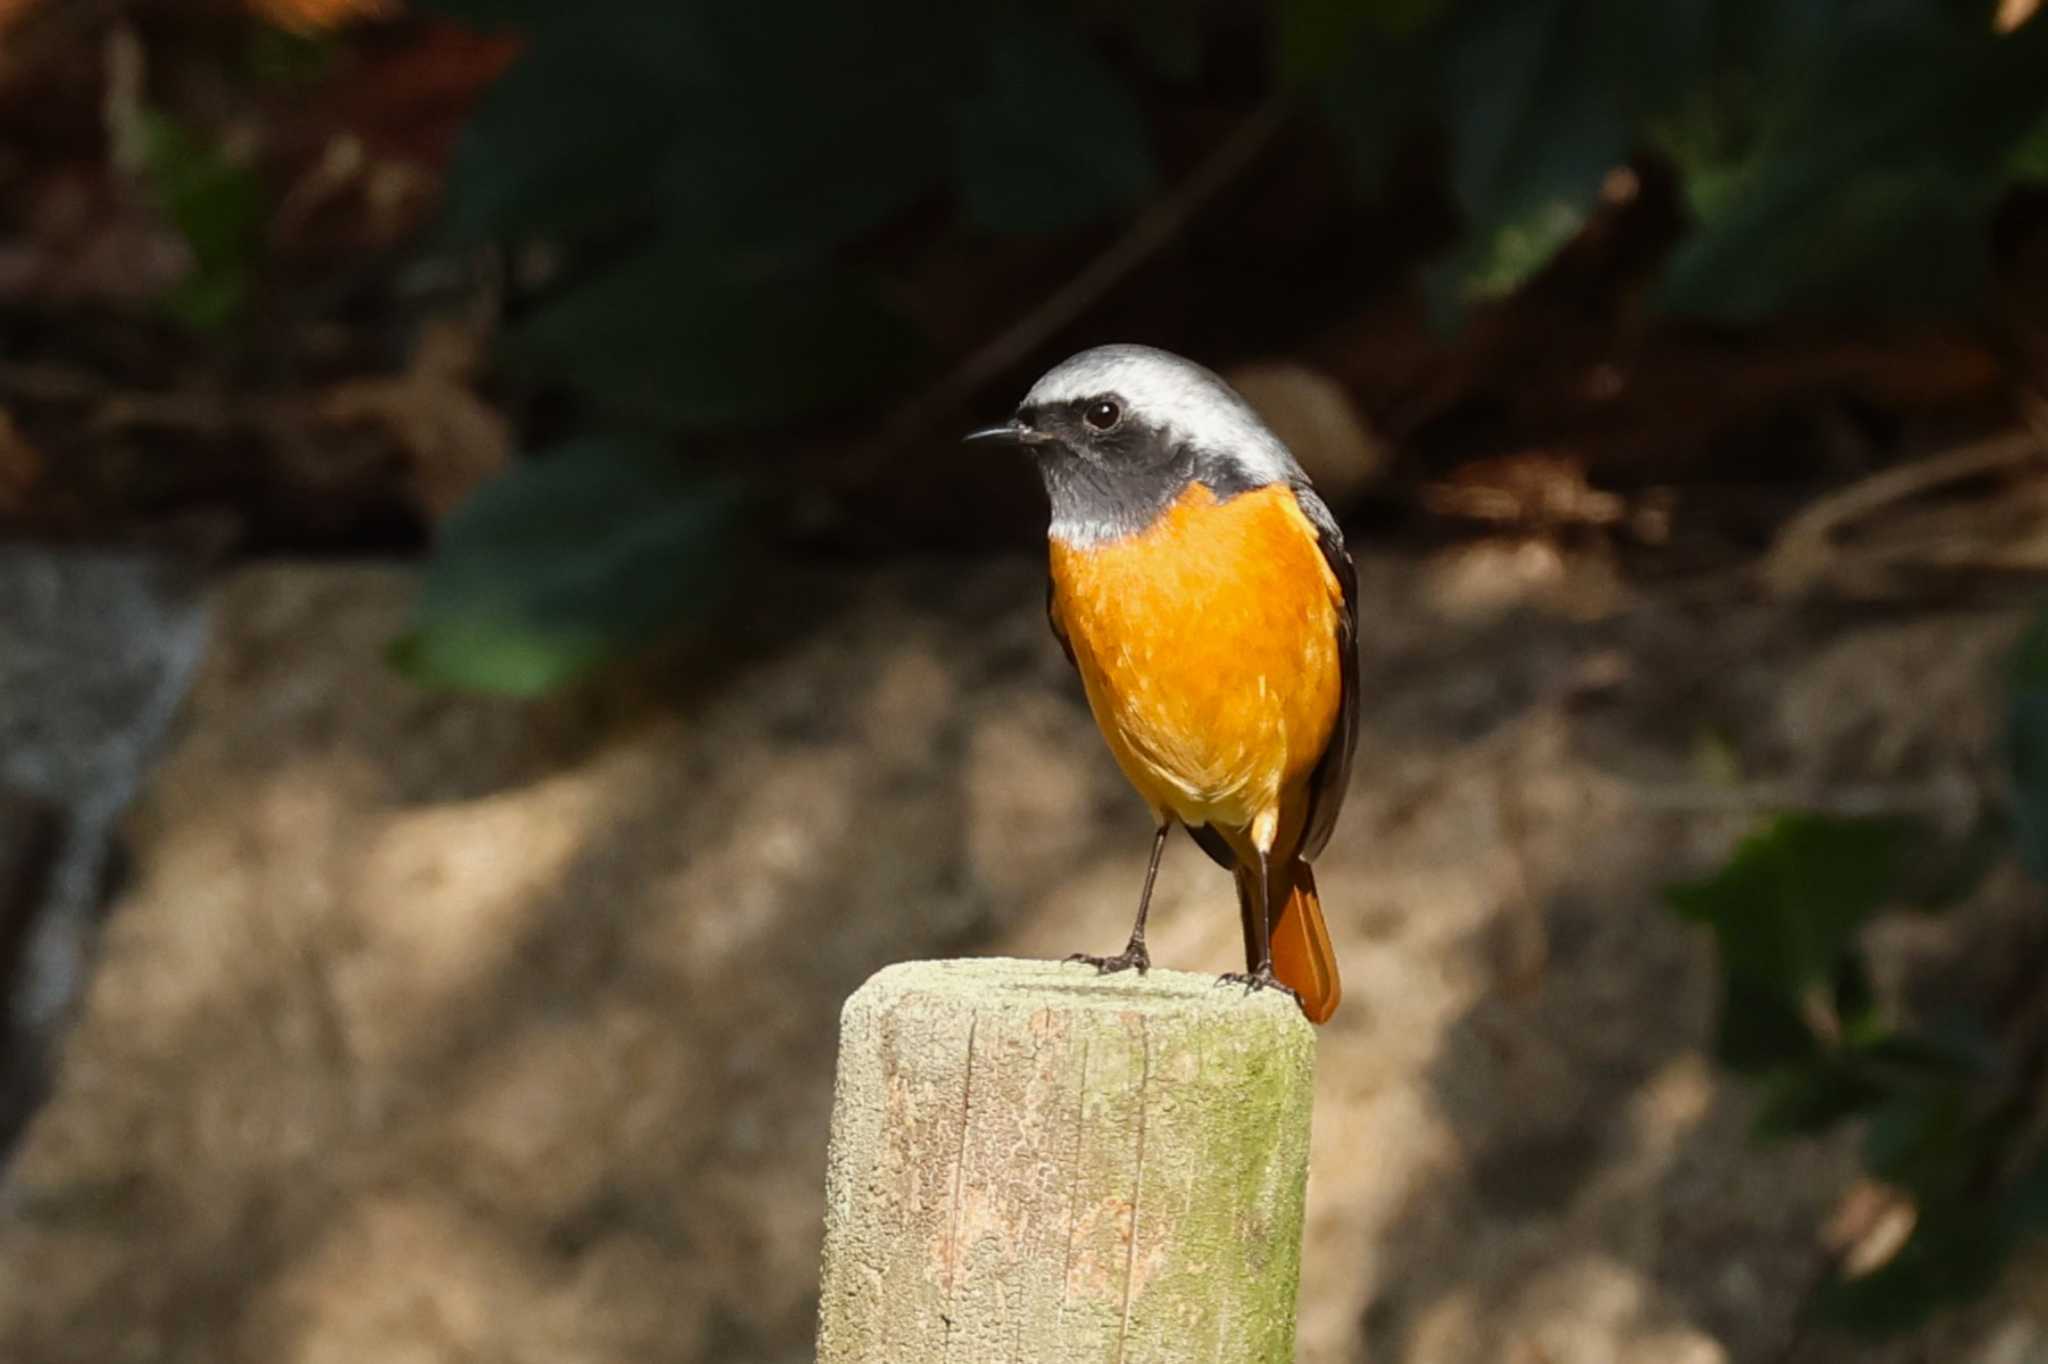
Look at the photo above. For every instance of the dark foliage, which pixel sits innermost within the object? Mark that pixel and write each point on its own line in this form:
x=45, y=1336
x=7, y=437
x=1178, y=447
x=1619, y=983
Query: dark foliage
x=1949, y=1106
x=713, y=180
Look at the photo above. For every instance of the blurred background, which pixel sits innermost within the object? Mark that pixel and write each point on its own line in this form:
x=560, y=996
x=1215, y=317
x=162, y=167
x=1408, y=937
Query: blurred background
x=498, y=637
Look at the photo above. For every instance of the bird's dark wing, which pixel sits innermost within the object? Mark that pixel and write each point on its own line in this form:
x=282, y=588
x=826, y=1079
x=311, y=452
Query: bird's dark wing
x=1052, y=618
x=1332, y=775
x=1212, y=843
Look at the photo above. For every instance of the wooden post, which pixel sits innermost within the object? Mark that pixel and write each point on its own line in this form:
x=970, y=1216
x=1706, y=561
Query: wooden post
x=1034, y=1164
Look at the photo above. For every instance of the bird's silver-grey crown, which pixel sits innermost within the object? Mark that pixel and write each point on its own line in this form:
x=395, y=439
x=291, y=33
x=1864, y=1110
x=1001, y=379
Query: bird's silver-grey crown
x=1119, y=432
x=1176, y=397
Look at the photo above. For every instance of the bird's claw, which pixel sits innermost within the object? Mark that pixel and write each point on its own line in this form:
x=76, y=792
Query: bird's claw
x=1262, y=979
x=1132, y=958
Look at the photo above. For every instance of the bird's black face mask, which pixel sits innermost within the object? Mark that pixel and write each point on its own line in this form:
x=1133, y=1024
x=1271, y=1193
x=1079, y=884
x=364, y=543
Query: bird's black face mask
x=1109, y=473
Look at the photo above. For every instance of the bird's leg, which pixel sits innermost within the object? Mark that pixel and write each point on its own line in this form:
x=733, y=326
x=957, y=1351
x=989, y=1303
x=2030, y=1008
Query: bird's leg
x=1252, y=919
x=1258, y=938
x=1134, y=956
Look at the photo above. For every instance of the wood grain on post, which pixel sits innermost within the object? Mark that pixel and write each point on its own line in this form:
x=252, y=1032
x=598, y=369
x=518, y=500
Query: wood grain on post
x=1034, y=1164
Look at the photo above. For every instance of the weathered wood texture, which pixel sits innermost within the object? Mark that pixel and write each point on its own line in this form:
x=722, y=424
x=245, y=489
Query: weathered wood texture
x=1033, y=1163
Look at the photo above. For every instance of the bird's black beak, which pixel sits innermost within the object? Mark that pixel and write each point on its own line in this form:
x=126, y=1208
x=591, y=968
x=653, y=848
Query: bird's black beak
x=1009, y=433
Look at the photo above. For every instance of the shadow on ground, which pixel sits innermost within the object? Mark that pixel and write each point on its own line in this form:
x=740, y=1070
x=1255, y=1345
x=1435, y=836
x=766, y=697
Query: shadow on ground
x=436, y=1029
x=1595, y=1194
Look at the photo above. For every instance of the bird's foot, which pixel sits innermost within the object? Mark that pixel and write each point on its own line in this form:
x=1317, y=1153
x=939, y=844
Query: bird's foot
x=1132, y=958
x=1261, y=979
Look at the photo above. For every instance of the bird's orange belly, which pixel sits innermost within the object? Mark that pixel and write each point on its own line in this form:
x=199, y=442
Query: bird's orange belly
x=1208, y=648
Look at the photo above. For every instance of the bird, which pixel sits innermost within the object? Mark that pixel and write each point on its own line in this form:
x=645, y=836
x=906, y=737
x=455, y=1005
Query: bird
x=1203, y=592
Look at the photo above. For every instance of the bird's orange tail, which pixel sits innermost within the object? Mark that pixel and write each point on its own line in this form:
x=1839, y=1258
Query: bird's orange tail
x=1303, y=958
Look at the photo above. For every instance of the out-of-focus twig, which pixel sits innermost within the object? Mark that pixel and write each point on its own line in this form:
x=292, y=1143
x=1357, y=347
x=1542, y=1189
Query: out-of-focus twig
x=1807, y=553
x=449, y=438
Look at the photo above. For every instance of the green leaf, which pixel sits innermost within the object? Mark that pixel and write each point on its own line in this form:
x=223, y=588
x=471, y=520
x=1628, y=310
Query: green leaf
x=1855, y=1001
x=764, y=129
x=1760, y=1028
x=1542, y=98
x=1805, y=1100
x=1370, y=99
x=1936, y=1056
x=1915, y=1084
x=1904, y=242
x=496, y=656
x=278, y=57
x=1317, y=36
x=802, y=134
x=1052, y=139
x=1789, y=901
x=2027, y=729
x=1171, y=37
x=572, y=558
x=218, y=206
x=676, y=339
x=1867, y=186
x=1500, y=259
x=1923, y=1139
x=2025, y=1204
x=209, y=300
x=1532, y=114
x=565, y=140
x=2028, y=163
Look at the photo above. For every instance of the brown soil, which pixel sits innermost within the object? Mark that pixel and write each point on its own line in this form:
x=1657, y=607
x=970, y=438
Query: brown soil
x=441, y=1029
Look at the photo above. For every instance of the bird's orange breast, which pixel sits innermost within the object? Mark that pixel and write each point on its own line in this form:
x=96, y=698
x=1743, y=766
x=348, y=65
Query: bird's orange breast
x=1208, y=647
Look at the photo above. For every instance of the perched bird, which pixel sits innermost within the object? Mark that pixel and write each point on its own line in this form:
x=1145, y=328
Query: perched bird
x=1203, y=592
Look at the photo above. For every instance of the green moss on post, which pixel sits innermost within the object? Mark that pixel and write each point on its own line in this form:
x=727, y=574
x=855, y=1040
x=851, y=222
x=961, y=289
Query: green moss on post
x=1032, y=1163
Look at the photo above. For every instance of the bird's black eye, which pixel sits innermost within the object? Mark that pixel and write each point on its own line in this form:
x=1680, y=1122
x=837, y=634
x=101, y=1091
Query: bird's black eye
x=1102, y=414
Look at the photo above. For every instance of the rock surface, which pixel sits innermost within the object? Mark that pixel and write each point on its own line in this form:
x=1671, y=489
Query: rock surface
x=96, y=650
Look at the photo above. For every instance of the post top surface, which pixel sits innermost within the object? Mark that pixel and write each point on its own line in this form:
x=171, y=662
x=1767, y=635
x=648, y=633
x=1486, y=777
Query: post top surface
x=994, y=982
